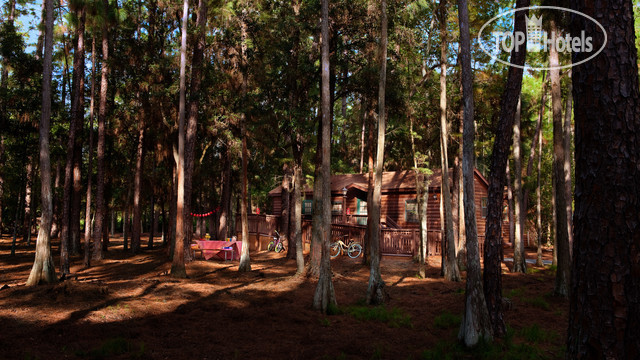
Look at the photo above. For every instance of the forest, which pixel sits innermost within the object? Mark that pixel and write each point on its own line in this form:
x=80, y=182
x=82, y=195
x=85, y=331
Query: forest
x=131, y=131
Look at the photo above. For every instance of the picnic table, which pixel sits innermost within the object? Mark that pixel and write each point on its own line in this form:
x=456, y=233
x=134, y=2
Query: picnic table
x=225, y=250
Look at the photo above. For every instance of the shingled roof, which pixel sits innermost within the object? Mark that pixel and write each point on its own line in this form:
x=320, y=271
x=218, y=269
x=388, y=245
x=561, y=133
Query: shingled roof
x=391, y=180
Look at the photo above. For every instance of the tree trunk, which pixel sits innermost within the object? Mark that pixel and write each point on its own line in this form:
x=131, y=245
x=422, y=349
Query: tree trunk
x=178, y=269
x=102, y=115
x=286, y=209
x=534, y=141
x=562, y=236
x=519, y=261
x=27, y=202
x=16, y=219
x=604, y=298
x=87, y=214
x=324, y=298
x=43, y=270
x=539, y=198
x=225, y=196
x=126, y=219
x=451, y=271
x=492, y=275
x=136, y=233
x=475, y=323
x=2, y=160
x=245, y=260
x=76, y=198
x=510, y=204
x=192, y=124
x=152, y=228
x=567, y=165
x=376, y=291
x=461, y=252
x=363, y=109
x=296, y=208
x=366, y=258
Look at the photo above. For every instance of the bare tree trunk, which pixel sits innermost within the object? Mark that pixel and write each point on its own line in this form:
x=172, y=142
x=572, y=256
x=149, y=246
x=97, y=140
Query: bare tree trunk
x=562, y=239
x=3, y=86
x=376, y=292
x=519, y=261
x=87, y=213
x=152, y=210
x=245, y=260
x=422, y=195
x=296, y=208
x=363, y=109
x=225, y=198
x=76, y=198
x=510, y=204
x=492, y=275
x=136, y=233
x=461, y=252
x=2, y=160
x=324, y=298
x=534, y=141
x=539, y=200
x=192, y=124
x=102, y=115
x=286, y=209
x=16, y=219
x=178, y=269
x=173, y=204
x=74, y=145
x=27, y=202
x=567, y=165
x=451, y=271
x=366, y=258
x=476, y=324
x=605, y=294
x=126, y=218
x=43, y=270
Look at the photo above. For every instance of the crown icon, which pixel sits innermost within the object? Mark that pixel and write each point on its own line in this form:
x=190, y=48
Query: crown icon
x=534, y=22
x=534, y=32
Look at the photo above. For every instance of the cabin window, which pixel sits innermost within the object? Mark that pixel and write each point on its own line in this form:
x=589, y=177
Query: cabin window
x=483, y=203
x=336, y=208
x=307, y=207
x=411, y=211
x=362, y=207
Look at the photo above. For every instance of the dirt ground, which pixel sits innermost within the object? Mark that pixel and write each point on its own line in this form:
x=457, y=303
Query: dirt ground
x=129, y=307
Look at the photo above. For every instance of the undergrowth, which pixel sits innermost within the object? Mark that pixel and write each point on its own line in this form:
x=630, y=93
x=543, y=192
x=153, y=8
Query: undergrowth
x=393, y=317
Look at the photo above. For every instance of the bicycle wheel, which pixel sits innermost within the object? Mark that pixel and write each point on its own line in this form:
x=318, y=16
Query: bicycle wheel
x=354, y=250
x=279, y=247
x=335, y=250
x=271, y=246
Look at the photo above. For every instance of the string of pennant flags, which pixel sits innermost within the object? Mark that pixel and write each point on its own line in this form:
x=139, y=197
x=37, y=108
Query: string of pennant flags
x=206, y=214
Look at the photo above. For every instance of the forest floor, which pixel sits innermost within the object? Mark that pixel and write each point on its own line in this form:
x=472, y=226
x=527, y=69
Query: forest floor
x=128, y=307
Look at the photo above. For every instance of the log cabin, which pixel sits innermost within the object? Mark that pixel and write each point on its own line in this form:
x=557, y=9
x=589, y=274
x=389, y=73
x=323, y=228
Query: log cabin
x=399, y=207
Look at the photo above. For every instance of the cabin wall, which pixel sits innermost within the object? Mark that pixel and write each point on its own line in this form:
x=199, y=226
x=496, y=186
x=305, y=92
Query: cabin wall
x=393, y=207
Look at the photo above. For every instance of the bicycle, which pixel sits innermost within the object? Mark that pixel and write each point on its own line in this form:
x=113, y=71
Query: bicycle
x=276, y=244
x=354, y=249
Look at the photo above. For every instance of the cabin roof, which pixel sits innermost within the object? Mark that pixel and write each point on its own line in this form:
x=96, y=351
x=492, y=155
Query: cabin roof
x=391, y=181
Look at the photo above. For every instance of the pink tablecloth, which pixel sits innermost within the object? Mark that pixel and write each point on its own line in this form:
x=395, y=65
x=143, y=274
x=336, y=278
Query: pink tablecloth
x=213, y=248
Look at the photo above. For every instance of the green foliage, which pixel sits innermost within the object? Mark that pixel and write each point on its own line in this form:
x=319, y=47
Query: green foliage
x=538, y=302
x=447, y=320
x=483, y=351
x=394, y=317
x=515, y=293
x=535, y=334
